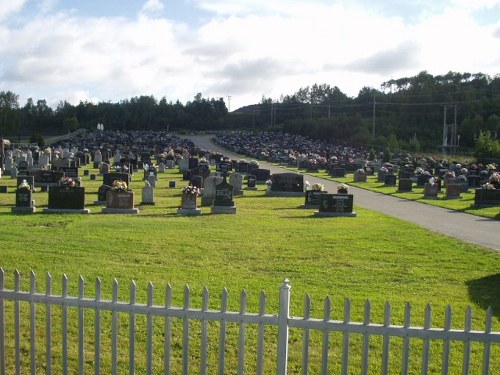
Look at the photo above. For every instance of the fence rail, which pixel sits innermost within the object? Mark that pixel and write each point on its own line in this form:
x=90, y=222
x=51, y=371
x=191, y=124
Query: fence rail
x=13, y=341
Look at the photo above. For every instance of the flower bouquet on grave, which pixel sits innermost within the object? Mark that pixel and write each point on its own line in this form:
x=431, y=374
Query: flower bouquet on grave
x=24, y=185
x=67, y=183
x=342, y=189
x=119, y=185
x=495, y=180
x=269, y=184
x=317, y=187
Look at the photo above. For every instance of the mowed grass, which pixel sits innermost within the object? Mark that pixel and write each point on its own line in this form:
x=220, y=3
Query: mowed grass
x=372, y=256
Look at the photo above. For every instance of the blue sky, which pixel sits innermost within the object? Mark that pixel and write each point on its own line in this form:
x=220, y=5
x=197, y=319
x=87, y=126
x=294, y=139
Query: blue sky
x=110, y=50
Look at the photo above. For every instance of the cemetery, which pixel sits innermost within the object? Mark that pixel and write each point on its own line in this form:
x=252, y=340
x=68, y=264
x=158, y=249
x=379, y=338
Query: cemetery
x=194, y=226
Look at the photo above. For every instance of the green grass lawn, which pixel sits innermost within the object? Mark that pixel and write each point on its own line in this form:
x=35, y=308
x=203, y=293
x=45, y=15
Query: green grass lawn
x=372, y=256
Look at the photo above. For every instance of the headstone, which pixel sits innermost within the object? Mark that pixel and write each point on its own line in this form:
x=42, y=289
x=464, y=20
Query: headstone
x=251, y=181
x=336, y=205
x=405, y=185
x=261, y=175
x=151, y=180
x=47, y=178
x=223, y=202
x=486, y=197
x=170, y=164
x=338, y=172
x=209, y=184
x=422, y=180
x=196, y=180
x=98, y=157
x=431, y=191
x=102, y=193
x=390, y=180
x=71, y=200
x=148, y=194
x=104, y=168
x=171, y=184
x=120, y=202
x=236, y=180
x=287, y=184
x=183, y=165
x=360, y=176
x=189, y=203
x=312, y=198
x=453, y=191
x=24, y=202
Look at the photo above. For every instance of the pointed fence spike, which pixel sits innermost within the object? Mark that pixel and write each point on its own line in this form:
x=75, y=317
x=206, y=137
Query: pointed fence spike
x=186, y=297
x=150, y=293
x=347, y=310
x=205, y=295
x=262, y=303
x=32, y=282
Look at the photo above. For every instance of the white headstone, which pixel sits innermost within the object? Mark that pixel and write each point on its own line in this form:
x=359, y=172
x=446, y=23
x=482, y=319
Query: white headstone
x=236, y=180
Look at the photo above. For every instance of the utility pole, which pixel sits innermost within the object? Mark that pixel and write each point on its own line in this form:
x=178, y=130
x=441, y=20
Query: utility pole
x=373, y=117
x=445, y=131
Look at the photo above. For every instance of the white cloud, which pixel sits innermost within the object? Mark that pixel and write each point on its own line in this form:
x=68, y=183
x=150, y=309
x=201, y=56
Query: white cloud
x=247, y=50
x=10, y=7
x=152, y=6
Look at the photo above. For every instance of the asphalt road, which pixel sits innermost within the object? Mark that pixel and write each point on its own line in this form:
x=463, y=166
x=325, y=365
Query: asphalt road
x=469, y=228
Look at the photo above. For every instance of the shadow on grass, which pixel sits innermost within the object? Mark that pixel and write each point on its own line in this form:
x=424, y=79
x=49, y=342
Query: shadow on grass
x=486, y=292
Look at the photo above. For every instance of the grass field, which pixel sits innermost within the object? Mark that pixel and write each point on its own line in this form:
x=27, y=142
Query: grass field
x=372, y=256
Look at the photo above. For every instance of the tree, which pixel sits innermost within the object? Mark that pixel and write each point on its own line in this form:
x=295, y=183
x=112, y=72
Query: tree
x=9, y=113
x=486, y=149
x=414, y=144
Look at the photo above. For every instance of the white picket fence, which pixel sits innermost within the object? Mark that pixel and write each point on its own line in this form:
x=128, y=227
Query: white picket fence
x=13, y=300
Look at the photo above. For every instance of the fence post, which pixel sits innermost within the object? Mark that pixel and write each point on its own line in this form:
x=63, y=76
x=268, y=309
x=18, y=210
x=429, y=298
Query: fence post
x=283, y=315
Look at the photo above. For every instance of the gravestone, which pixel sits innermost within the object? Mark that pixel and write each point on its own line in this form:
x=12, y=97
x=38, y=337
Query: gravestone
x=422, y=180
x=66, y=200
x=390, y=180
x=360, y=176
x=47, y=178
x=101, y=194
x=183, y=165
x=261, y=175
x=337, y=172
x=242, y=167
x=151, y=180
x=312, y=198
x=453, y=191
x=148, y=194
x=171, y=184
x=170, y=164
x=196, y=180
x=251, y=181
x=69, y=171
x=431, y=191
x=24, y=202
x=223, y=202
x=287, y=184
x=486, y=197
x=209, y=184
x=120, y=202
x=336, y=205
x=236, y=180
x=405, y=185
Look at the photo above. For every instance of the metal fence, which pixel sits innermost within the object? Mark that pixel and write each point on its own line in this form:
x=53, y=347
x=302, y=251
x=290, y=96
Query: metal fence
x=20, y=337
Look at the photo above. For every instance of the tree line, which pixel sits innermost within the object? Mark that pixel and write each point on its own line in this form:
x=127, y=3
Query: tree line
x=407, y=113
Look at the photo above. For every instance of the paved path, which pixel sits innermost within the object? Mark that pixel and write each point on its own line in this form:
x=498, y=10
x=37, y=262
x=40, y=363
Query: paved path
x=469, y=228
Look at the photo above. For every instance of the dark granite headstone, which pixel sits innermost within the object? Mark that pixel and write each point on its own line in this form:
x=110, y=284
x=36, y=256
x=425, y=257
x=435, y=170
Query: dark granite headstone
x=336, y=203
x=48, y=177
x=338, y=172
x=405, y=184
x=312, y=197
x=262, y=174
x=287, y=182
x=390, y=180
x=24, y=198
x=223, y=194
x=63, y=198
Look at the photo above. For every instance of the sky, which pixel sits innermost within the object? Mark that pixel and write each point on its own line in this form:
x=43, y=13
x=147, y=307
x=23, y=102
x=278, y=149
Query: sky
x=238, y=50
